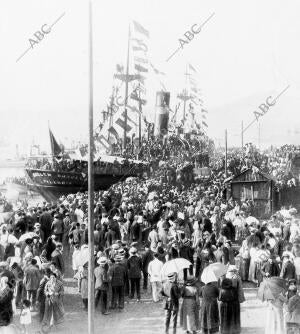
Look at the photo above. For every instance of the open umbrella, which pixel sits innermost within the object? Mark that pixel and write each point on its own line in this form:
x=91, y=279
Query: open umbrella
x=28, y=235
x=83, y=257
x=213, y=272
x=251, y=220
x=271, y=288
x=174, y=266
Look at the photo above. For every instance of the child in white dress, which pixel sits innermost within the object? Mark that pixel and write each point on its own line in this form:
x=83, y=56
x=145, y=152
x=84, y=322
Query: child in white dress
x=25, y=316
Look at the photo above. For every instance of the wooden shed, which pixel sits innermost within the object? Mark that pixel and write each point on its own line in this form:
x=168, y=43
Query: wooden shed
x=255, y=185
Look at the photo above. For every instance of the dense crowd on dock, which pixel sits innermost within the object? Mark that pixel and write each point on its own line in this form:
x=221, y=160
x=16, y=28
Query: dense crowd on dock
x=141, y=227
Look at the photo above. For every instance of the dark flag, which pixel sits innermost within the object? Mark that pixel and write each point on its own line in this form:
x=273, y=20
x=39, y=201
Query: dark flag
x=121, y=123
x=140, y=68
x=55, y=148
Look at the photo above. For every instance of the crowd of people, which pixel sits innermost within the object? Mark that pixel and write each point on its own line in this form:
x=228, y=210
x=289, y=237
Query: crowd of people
x=140, y=226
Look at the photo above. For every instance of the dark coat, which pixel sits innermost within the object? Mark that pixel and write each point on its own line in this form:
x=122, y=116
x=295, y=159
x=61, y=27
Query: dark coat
x=46, y=222
x=230, y=314
x=134, y=266
x=57, y=258
x=288, y=271
x=187, y=253
x=117, y=274
x=270, y=269
x=209, y=308
x=32, y=277
x=147, y=257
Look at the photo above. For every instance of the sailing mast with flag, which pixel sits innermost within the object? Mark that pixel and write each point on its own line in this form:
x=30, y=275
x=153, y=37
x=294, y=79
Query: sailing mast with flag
x=127, y=111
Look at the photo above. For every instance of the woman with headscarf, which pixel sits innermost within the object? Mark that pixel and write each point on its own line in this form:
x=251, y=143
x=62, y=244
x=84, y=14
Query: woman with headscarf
x=189, y=312
x=275, y=321
x=54, y=308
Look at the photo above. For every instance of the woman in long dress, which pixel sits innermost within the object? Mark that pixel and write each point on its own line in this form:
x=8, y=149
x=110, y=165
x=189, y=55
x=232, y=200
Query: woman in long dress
x=275, y=321
x=209, y=320
x=244, y=260
x=230, y=313
x=189, y=312
x=54, y=291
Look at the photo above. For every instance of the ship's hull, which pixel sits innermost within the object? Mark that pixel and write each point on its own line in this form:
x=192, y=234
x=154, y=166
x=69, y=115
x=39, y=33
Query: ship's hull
x=52, y=184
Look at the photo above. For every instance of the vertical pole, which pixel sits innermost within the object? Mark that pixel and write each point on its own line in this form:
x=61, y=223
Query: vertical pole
x=184, y=105
x=242, y=134
x=226, y=153
x=259, y=135
x=126, y=88
x=91, y=298
x=140, y=120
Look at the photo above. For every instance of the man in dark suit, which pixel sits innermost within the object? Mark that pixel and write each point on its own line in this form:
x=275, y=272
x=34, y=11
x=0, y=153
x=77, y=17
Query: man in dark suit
x=57, y=258
x=288, y=270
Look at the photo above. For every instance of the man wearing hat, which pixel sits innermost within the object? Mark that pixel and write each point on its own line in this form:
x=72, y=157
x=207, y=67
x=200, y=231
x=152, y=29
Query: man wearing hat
x=288, y=270
x=101, y=284
x=135, y=267
x=172, y=291
x=147, y=257
x=117, y=276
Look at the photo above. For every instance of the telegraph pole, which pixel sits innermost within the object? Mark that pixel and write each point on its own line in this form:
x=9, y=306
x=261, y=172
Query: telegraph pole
x=140, y=119
x=226, y=153
x=91, y=294
x=242, y=134
x=126, y=88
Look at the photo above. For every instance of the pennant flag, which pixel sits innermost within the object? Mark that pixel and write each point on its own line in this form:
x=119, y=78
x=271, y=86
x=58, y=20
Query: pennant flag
x=141, y=79
x=55, y=148
x=192, y=68
x=133, y=108
x=114, y=132
x=163, y=86
x=121, y=123
x=204, y=124
x=135, y=97
x=140, y=68
x=104, y=142
x=120, y=68
x=138, y=48
x=204, y=111
x=129, y=119
x=204, y=116
x=129, y=77
x=139, y=28
x=141, y=60
x=195, y=90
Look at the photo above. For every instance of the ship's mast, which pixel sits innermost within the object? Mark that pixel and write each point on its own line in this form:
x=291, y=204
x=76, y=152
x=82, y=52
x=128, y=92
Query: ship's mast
x=184, y=96
x=126, y=88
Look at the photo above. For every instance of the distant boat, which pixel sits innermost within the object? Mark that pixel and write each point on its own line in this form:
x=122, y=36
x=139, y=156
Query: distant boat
x=53, y=182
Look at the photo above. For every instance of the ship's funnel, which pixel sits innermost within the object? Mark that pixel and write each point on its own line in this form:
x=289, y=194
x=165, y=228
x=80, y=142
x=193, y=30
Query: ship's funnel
x=161, y=113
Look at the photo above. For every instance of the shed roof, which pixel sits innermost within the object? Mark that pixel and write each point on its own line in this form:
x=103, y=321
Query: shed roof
x=252, y=174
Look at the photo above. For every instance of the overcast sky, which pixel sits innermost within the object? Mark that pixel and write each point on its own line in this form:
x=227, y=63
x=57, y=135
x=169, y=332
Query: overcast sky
x=248, y=51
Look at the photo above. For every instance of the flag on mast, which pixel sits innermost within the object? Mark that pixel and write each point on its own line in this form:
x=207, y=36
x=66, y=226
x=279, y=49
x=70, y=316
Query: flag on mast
x=55, y=147
x=139, y=28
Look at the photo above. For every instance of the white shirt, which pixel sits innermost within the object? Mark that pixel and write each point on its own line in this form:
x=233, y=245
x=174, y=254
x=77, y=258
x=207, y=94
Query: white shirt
x=154, y=269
